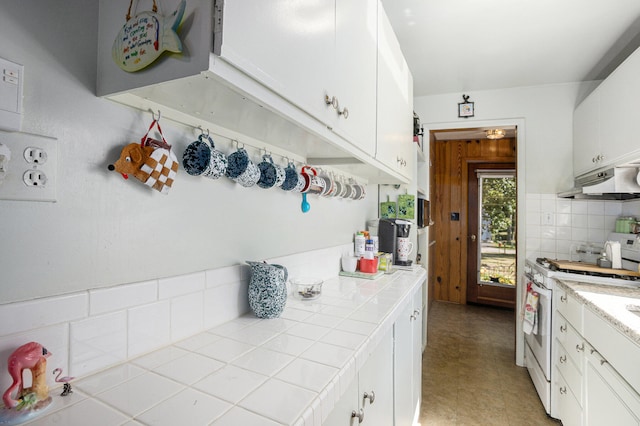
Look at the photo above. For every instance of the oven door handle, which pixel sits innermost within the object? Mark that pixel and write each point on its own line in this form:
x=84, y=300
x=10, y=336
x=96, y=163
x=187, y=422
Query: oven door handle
x=542, y=291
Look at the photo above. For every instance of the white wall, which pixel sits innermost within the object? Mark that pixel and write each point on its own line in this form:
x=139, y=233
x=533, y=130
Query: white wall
x=105, y=231
x=547, y=112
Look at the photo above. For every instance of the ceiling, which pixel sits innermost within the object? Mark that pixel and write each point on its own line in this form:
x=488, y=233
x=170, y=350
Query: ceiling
x=464, y=45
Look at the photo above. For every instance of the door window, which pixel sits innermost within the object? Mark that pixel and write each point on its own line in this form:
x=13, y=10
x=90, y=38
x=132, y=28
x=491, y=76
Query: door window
x=497, y=227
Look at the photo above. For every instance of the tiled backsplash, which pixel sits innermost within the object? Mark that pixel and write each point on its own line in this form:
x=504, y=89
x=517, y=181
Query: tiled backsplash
x=555, y=226
x=92, y=330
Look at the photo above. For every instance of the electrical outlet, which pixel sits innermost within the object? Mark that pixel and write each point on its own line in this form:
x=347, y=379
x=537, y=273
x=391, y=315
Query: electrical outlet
x=35, y=155
x=34, y=178
x=31, y=172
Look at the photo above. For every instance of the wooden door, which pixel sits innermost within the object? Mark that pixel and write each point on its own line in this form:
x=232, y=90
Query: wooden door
x=491, y=256
x=449, y=206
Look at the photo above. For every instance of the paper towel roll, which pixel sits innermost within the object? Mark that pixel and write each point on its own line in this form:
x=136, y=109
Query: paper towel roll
x=614, y=253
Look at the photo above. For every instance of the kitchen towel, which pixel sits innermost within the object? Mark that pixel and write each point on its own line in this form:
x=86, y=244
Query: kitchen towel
x=530, y=323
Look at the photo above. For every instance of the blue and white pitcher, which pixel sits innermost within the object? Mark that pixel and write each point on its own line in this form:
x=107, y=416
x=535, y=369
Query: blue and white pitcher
x=267, y=289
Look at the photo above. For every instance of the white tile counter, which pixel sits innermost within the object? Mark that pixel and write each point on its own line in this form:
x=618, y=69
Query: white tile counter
x=289, y=370
x=610, y=303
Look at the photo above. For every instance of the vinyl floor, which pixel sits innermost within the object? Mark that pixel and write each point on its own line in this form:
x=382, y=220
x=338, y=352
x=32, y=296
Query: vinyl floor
x=469, y=375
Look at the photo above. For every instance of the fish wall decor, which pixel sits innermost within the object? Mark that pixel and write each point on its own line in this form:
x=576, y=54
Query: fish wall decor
x=146, y=36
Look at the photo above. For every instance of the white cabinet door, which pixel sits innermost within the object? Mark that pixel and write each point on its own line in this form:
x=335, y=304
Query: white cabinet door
x=408, y=362
x=289, y=46
x=609, y=399
x=395, y=103
x=568, y=409
x=343, y=411
x=355, y=71
x=586, y=134
x=416, y=353
x=618, y=114
x=370, y=395
x=376, y=384
x=306, y=51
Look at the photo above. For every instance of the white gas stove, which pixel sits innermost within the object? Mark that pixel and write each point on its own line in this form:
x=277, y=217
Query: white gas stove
x=541, y=275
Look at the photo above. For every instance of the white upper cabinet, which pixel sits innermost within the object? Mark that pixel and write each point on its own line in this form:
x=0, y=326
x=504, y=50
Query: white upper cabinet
x=320, y=56
x=587, y=154
x=618, y=111
x=394, y=104
x=300, y=77
x=355, y=76
x=288, y=46
x=604, y=124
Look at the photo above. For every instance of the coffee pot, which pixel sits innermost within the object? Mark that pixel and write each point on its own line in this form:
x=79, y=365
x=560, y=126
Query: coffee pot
x=393, y=237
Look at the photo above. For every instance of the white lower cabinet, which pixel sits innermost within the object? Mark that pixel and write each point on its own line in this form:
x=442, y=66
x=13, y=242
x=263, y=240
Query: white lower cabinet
x=407, y=332
x=387, y=389
x=369, y=398
x=609, y=399
x=568, y=408
x=587, y=388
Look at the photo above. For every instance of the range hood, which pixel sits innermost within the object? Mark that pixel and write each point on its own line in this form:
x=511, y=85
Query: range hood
x=616, y=183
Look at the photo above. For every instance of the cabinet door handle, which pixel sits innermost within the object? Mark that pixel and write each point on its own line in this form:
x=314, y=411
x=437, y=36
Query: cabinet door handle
x=563, y=390
x=359, y=415
x=563, y=298
x=344, y=113
x=333, y=101
x=563, y=359
x=370, y=396
x=580, y=348
x=416, y=312
x=563, y=328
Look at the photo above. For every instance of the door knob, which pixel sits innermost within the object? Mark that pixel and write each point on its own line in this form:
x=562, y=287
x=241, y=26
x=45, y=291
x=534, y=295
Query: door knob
x=473, y=237
x=359, y=415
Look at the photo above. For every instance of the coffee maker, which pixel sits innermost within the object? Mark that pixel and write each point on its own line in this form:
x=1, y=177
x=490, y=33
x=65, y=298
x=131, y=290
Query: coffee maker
x=393, y=234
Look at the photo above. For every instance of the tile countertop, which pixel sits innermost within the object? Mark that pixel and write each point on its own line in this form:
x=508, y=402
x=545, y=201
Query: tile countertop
x=610, y=302
x=249, y=371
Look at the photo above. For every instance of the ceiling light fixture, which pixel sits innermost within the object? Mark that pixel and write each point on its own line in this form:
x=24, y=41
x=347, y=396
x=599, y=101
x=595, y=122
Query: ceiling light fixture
x=495, y=133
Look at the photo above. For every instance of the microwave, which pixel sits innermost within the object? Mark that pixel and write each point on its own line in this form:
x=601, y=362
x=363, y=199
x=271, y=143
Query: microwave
x=424, y=212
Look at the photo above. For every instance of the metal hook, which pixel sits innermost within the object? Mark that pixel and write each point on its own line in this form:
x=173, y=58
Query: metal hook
x=153, y=115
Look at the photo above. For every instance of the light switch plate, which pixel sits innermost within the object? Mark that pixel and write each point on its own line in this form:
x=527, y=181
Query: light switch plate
x=11, y=87
x=31, y=173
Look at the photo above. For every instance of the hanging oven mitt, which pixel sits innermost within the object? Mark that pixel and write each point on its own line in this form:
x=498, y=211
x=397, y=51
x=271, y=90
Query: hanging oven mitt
x=530, y=323
x=150, y=161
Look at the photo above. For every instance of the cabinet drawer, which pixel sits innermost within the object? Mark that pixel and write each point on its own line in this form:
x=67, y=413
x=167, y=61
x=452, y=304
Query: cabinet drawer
x=609, y=399
x=568, y=409
x=570, y=339
x=570, y=372
x=569, y=307
x=621, y=353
